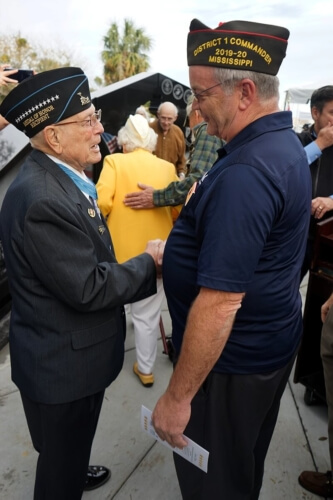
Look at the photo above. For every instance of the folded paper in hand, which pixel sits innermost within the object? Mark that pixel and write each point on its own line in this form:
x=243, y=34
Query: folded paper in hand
x=192, y=452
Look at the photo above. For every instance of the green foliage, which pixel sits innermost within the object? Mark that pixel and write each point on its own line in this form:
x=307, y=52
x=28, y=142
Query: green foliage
x=20, y=53
x=98, y=81
x=125, y=54
x=16, y=51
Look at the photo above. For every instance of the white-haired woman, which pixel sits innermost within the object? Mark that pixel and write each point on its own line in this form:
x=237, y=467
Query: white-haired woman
x=131, y=229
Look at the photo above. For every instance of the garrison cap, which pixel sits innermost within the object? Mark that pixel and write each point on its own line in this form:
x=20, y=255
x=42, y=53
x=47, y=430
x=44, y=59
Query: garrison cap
x=240, y=45
x=46, y=98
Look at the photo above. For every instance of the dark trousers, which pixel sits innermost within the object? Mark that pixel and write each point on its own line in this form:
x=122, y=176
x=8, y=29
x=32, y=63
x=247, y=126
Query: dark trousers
x=233, y=417
x=326, y=351
x=63, y=435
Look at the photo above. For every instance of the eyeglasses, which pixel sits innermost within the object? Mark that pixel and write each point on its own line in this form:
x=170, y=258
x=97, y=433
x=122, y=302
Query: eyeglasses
x=198, y=95
x=89, y=122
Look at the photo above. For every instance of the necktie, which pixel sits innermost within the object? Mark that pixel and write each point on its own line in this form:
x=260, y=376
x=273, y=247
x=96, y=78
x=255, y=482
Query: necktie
x=87, y=186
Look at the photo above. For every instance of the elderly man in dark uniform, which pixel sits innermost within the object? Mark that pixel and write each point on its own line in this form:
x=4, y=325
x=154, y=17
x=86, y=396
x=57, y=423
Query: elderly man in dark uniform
x=67, y=322
x=232, y=265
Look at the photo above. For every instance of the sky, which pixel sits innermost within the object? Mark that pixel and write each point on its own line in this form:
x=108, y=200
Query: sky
x=80, y=26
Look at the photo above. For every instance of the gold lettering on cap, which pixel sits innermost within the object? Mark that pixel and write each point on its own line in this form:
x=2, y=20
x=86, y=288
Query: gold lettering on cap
x=234, y=41
x=39, y=120
x=231, y=61
x=251, y=46
x=207, y=45
x=84, y=100
x=39, y=117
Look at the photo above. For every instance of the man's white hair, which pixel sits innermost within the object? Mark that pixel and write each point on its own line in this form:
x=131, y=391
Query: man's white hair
x=267, y=85
x=170, y=106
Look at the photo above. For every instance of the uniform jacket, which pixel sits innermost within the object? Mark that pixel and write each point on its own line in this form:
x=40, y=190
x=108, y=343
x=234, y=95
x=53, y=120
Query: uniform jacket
x=66, y=330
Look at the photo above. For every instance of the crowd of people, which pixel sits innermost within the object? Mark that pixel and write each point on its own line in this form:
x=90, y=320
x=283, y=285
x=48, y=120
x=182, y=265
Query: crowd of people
x=229, y=262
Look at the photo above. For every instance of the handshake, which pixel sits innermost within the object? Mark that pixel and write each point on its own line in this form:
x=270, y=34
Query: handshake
x=155, y=248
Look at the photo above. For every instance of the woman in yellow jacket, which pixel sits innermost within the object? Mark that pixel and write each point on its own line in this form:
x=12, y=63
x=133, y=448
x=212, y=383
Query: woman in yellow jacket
x=131, y=229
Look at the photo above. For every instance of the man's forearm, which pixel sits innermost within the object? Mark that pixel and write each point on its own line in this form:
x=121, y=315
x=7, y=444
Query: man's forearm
x=208, y=328
x=174, y=194
x=209, y=324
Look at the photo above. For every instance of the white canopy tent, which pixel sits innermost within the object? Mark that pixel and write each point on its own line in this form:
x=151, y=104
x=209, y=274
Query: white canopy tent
x=298, y=96
x=297, y=100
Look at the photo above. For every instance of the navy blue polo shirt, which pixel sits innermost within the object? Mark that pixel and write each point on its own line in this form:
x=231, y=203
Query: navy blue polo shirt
x=244, y=229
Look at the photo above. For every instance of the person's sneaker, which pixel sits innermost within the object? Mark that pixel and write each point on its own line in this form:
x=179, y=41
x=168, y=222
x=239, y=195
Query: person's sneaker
x=317, y=482
x=146, y=380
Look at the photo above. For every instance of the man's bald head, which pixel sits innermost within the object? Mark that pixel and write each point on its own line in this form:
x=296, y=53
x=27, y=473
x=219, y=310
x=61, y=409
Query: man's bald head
x=167, y=114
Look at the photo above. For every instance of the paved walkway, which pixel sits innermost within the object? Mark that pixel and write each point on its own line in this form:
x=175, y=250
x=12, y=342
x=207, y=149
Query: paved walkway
x=142, y=469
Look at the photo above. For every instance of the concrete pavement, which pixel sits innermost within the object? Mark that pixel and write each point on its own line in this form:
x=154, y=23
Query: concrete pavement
x=142, y=469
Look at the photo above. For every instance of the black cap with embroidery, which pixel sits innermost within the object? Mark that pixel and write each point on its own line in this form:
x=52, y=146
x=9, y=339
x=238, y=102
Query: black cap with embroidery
x=241, y=45
x=46, y=98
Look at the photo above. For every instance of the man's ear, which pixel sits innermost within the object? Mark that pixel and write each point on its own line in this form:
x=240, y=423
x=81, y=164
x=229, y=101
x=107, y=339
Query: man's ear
x=52, y=138
x=247, y=93
x=315, y=113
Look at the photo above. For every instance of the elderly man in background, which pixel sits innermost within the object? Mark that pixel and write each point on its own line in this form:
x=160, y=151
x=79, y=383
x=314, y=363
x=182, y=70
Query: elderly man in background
x=66, y=332
x=231, y=265
x=170, y=138
x=203, y=154
x=131, y=229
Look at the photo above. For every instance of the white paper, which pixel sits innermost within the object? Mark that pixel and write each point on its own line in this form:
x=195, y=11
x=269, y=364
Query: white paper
x=192, y=452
